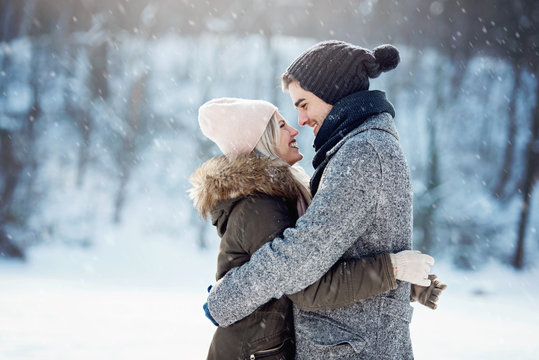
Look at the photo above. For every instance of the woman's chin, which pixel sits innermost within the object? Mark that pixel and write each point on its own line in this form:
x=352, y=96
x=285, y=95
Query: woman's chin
x=296, y=159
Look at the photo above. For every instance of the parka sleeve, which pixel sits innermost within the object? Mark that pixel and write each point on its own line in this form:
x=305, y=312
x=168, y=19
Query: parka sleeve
x=342, y=211
x=348, y=281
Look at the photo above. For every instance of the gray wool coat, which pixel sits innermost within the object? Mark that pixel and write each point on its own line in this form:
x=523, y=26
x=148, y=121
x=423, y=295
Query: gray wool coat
x=363, y=207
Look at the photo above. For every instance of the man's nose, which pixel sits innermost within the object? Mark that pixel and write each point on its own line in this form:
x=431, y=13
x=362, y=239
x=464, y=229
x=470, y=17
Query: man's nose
x=303, y=119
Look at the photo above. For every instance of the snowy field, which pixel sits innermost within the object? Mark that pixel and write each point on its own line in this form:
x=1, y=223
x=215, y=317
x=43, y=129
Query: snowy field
x=75, y=304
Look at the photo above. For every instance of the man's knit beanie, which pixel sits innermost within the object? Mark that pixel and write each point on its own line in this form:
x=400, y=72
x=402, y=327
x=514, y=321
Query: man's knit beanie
x=335, y=69
x=235, y=125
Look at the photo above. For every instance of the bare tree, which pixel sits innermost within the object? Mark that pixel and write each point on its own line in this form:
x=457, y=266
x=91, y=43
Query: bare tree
x=128, y=150
x=509, y=153
x=10, y=168
x=531, y=176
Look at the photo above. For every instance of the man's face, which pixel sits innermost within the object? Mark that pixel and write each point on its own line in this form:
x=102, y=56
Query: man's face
x=311, y=109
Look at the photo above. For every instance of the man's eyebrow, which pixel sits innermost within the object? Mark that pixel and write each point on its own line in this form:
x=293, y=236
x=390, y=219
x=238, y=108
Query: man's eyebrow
x=298, y=102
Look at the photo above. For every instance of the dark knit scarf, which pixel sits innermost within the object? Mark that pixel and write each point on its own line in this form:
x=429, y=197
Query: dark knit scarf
x=347, y=114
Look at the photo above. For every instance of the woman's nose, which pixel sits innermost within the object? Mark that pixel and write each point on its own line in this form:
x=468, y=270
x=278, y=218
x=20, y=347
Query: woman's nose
x=293, y=131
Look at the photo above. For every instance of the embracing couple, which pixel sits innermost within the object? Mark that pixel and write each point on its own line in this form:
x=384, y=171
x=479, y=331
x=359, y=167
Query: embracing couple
x=318, y=268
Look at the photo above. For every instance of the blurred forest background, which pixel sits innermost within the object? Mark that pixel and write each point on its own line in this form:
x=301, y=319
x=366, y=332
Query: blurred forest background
x=99, y=99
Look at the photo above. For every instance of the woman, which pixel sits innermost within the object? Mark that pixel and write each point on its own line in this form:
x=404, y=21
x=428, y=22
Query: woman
x=253, y=194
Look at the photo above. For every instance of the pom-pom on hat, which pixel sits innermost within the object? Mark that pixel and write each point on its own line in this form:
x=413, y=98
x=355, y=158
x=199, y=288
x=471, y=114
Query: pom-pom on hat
x=235, y=125
x=335, y=69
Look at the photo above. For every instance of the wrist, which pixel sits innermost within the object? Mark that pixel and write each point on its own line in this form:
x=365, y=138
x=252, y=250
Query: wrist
x=394, y=264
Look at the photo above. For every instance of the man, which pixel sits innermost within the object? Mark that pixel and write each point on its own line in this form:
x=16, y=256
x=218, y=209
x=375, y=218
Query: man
x=362, y=206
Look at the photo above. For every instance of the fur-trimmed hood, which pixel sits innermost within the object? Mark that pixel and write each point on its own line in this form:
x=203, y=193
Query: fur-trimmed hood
x=220, y=179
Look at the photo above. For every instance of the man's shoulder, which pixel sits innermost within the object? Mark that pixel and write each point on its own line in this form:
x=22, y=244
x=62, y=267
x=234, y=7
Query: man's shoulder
x=355, y=145
x=373, y=133
x=355, y=158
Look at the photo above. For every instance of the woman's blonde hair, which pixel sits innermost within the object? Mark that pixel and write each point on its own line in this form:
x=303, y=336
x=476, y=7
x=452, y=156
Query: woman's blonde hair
x=266, y=148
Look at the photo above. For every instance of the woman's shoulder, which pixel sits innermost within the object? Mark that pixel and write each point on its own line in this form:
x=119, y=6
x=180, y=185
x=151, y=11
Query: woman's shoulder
x=257, y=219
x=257, y=205
x=263, y=214
x=222, y=179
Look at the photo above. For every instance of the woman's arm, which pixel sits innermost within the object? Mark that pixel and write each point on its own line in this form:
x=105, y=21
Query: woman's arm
x=347, y=282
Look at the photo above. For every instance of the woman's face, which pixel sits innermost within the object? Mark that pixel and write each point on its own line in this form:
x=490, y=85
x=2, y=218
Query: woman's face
x=287, y=148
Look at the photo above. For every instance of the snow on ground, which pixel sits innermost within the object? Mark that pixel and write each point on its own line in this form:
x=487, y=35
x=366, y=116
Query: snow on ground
x=68, y=303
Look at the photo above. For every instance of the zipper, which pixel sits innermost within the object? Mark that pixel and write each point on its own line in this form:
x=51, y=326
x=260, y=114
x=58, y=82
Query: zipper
x=264, y=353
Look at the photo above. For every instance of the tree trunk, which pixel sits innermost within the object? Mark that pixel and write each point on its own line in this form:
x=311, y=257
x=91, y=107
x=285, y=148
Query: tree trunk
x=80, y=114
x=428, y=221
x=9, y=20
x=85, y=127
x=10, y=169
x=202, y=150
x=530, y=178
x=8, y=248
x=274, y=71
x=505, y=171
x=28, y=17
x=433, y=181
x=127, y=156
x=99, y=74
x=99, y=88
x=33, y=116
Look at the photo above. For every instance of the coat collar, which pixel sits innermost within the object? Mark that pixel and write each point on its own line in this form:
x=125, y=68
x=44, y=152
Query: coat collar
x=383, y=121
x=220, y=179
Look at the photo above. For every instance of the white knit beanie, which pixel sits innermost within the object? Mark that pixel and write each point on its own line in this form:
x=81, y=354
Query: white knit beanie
x=235, y=125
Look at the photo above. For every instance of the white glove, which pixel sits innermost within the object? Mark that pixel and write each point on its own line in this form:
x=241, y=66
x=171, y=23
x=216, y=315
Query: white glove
x=412, y=266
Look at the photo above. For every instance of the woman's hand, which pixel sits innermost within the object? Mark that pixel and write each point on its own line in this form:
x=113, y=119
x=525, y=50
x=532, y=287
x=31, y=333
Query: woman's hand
x=207, y=310
x=412, y=266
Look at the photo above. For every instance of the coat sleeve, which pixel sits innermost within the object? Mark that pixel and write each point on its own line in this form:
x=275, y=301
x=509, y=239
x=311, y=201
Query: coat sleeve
x=342, y=211
x=347, y=282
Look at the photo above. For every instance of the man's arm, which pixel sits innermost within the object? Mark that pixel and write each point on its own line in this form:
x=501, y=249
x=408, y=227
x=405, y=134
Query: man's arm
x=262, y=218
x=341, y=212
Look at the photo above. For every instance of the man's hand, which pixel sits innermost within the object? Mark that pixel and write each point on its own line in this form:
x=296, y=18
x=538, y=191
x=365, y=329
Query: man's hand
x=412, y=266
x=428, y=295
